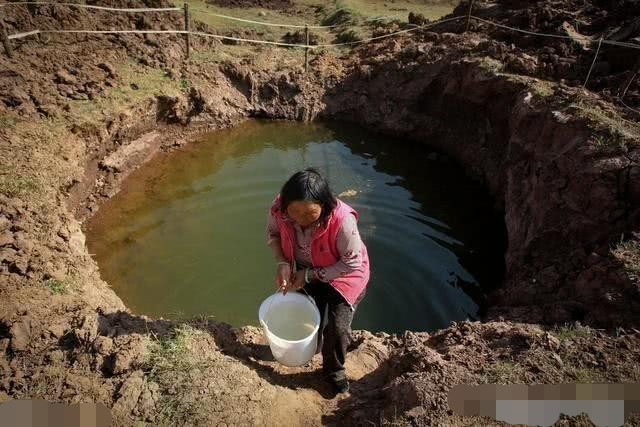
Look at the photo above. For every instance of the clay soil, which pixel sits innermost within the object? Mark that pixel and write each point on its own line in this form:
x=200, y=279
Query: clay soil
x=78, y=113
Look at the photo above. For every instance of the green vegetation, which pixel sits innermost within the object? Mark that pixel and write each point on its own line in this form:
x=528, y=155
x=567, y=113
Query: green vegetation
x=584, y=375
x=504, y=373
x=628, y=252
x=141, y=83
x=56, y=286
x=353, y=16
x=567, y=332
x=490, y=64
x=619, y=128
x=14, y=185
x=7, y=121
x=172, y=366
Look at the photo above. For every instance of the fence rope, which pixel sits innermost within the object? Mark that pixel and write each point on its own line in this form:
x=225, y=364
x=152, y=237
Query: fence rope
x=367, y=40
x=198, y=33
x=428, y=25
x=273, y=24
x=630, y=108
x=306, y=46
x=495, y=24
x=204, y=11
x=595, y=58
x=250, y=21
x=88, y=6
x=175, y=9
x=21, y=35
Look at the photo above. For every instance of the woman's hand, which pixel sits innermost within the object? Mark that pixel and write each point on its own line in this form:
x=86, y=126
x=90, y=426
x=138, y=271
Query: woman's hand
x=283, y=276
x=296, y=282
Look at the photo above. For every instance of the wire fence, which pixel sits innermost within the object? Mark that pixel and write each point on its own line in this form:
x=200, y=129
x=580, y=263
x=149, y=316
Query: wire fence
x=307, y=46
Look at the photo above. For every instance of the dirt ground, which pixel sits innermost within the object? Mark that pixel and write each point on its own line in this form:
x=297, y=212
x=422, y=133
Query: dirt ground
x=78, y=113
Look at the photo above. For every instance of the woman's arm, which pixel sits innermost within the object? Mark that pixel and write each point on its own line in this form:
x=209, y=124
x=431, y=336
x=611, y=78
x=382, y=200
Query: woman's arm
x=348, y=244
x=273, y=238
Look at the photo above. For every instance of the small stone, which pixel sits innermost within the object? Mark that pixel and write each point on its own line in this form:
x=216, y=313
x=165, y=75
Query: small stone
x=55, y=356
x=4, y=223
x=103, y=345
x=21, y=266
x=8, y=255
x=111, y=71
x=64, y=77
x=6, y=238
x=20, y=335
x=23, y=243
x=64, y=233
x=57, y=330
x=4, y=345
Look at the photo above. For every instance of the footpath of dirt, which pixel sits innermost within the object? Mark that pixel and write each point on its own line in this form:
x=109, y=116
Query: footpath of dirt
x=79, y=113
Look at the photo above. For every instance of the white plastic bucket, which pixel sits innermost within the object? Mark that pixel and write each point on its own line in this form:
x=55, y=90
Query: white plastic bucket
x=290, y=323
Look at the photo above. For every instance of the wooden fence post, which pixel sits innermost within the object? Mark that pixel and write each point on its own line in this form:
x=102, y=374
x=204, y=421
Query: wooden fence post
x=306, y=49
x=5, y=40
x=186, y=28
x=469, y=15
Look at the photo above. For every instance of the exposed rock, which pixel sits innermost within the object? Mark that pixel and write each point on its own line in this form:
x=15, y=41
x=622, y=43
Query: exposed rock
x=64, y=77
x=103, y=345
x=6, y=238
x=129, y=354
x=117, y=160
x=110, y=69
x=20, y=334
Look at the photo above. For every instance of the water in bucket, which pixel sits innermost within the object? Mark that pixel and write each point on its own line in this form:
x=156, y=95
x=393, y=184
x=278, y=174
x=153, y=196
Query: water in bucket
x=290, y=322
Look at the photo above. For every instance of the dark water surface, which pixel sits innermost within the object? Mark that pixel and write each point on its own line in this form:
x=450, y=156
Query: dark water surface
x=186, y=235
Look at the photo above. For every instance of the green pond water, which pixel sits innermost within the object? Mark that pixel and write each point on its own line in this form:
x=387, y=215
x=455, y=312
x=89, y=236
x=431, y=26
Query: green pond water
x=186, y=235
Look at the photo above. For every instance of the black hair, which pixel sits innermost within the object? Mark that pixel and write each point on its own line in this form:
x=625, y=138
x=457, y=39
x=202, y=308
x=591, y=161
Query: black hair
x=308, y=185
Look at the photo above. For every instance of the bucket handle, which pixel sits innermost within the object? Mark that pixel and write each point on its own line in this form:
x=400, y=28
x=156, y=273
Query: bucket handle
x=313, y=301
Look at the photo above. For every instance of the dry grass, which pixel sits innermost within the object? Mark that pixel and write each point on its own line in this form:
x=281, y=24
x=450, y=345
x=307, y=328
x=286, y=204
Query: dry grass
x=619, y=129
x=567, y=332
x=38, y=160
x=503, y=373
x=139, y=84
x=628, y=252
x=356, y=15
x=172, y=366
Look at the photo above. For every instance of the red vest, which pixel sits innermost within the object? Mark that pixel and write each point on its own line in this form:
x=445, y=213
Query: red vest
x=324, y=251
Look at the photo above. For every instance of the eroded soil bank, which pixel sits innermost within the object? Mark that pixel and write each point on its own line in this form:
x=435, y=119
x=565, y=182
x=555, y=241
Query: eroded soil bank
x=79, y=113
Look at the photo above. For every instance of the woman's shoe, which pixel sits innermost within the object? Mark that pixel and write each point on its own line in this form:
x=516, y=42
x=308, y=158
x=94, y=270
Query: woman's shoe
x=341, y=385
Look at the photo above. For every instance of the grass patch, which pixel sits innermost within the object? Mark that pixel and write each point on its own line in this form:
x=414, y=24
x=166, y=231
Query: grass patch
x=267, y=58
x=584, y=375
x=619, y=128
x=542, y=88
x=14, y=185
x=350, y=36
x=172, y=366
x=628, y=252
x=7, y=121
x=504, y=373
x=56, y=286
x=567, y=332
x=148, y=82
x=352, y=14
x=490, y=64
